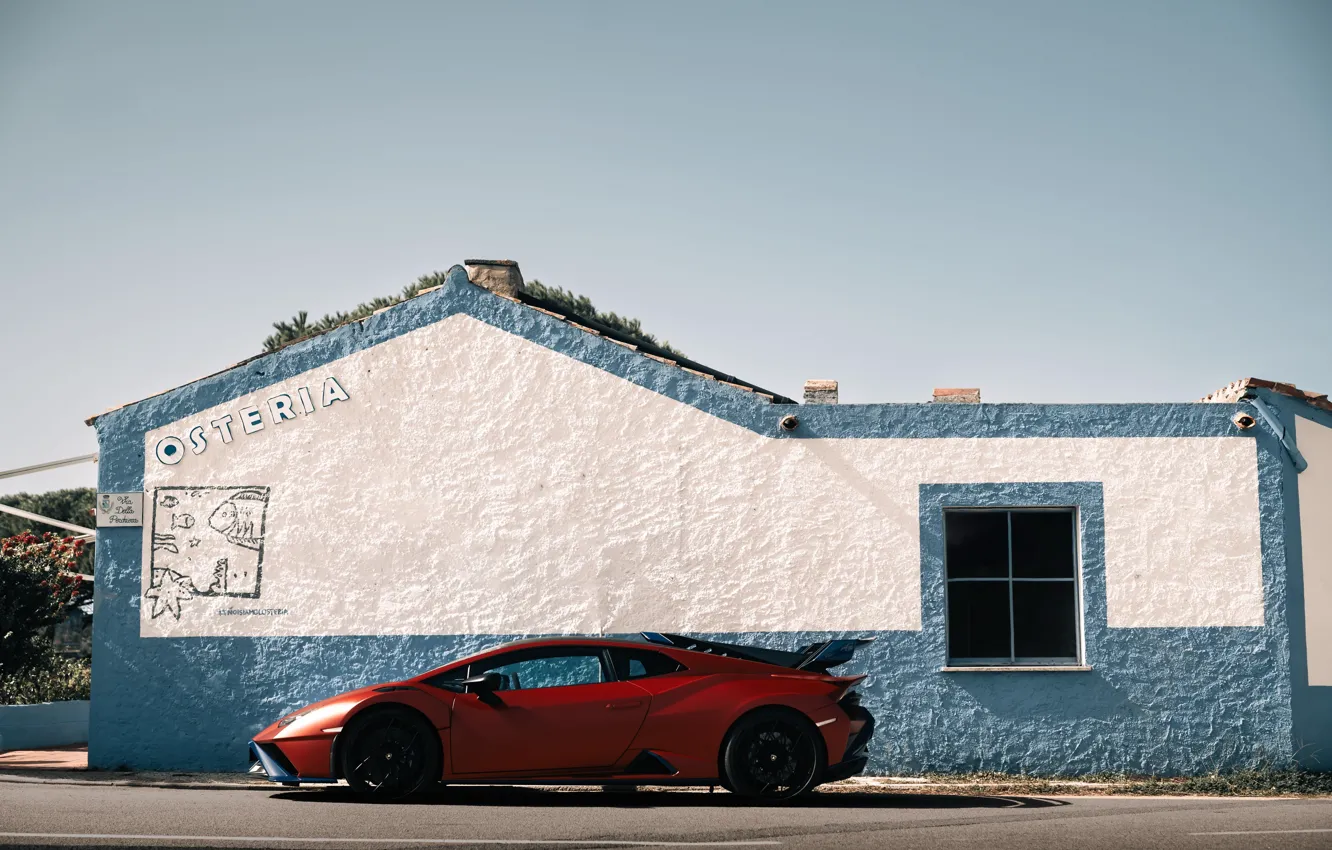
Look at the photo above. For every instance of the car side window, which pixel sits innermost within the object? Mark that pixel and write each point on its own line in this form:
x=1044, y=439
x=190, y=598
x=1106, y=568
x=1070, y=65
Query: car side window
x=524, y=672
x=449, y=680
x=642, y=663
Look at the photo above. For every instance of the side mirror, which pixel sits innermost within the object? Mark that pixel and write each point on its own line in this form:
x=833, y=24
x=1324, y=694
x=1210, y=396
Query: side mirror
x=484, y=685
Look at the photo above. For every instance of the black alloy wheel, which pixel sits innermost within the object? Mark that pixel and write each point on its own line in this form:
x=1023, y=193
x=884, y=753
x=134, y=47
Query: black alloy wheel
x=772, y=754
x=390, y=754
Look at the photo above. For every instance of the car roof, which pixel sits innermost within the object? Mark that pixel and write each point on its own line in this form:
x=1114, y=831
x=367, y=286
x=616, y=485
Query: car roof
x=570, y=640
x=538, y=642
x=713, y=660
x=629, y=643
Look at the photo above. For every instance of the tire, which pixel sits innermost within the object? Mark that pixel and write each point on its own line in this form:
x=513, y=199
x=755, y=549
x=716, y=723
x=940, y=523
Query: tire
x=772, y=754
x=390, y=754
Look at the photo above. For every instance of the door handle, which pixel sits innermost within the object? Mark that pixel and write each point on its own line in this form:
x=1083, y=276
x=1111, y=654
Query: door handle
x=624, y=703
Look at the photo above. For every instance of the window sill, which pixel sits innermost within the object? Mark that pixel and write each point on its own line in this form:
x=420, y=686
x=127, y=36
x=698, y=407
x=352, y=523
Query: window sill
x=1021, y=668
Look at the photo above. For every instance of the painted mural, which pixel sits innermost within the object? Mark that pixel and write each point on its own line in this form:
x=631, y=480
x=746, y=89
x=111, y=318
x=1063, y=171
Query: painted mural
x=206, y=542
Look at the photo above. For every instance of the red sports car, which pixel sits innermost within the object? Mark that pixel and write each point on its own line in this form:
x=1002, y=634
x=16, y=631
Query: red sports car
x=671, y=710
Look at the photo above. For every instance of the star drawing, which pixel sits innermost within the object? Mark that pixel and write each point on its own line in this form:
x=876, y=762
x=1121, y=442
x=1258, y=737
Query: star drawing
x=168, y=589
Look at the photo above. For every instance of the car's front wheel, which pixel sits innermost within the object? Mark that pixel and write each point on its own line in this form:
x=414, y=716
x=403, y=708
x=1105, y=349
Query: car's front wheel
x=772, y=754
x=390, y=754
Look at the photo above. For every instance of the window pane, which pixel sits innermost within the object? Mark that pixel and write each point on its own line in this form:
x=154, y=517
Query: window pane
x=976, y=544
x=549, y=672
x=978, y=619
x=1045, y=619
x=1043, y=544
x=449, y=679
x=639, y=663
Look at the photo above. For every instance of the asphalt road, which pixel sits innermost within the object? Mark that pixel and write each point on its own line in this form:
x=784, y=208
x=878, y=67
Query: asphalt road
x=80, y=815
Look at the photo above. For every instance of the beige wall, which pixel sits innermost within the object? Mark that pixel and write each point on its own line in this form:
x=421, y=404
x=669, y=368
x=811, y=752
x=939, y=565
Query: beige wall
x=1315, y=483
x=444, y=496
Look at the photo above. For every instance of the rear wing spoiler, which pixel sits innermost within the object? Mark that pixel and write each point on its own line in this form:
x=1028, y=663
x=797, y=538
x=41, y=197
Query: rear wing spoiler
x=816, y=658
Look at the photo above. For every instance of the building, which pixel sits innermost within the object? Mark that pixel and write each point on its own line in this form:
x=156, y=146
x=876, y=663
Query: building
x=1053, y=588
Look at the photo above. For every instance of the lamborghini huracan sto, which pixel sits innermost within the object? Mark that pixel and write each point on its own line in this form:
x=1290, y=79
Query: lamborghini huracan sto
x=669, y=709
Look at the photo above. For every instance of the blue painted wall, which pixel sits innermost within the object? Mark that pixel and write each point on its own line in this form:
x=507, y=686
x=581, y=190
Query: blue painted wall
x=1158, y=700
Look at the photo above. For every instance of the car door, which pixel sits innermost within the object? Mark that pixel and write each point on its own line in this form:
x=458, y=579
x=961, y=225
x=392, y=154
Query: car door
x=558, y=709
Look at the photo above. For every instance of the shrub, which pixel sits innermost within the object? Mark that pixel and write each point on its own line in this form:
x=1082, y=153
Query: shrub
x=55, y=679
x=37, y=583
x=579, y=306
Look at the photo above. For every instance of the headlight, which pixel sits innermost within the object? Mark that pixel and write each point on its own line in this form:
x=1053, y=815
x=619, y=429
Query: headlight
x=291, y=718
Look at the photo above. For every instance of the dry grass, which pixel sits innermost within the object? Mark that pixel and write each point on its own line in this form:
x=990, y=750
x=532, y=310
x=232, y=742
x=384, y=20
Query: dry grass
x=1240, y=783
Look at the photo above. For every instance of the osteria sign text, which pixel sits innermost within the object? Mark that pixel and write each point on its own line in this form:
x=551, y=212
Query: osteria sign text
x=279, y=409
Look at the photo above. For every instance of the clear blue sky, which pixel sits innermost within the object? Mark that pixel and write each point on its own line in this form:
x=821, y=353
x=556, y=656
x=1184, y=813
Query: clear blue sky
x=1054, y=201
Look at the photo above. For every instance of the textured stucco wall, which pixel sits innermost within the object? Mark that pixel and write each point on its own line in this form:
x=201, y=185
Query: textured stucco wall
x=494, y=472
x=1310, y=582
x=1315, y=488
x=548, y=495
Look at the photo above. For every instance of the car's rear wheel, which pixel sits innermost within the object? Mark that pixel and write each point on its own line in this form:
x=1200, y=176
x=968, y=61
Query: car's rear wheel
x=772, y=754
x=390, y=754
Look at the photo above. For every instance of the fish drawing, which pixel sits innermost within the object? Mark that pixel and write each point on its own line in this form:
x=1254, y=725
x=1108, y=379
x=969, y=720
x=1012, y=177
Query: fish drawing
x=240, y=519
x=170, y=501
x=182, y=521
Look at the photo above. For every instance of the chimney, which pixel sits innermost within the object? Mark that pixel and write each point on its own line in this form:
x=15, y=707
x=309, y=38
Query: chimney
x=820, y=392
x=501, y=277
x=957, y=395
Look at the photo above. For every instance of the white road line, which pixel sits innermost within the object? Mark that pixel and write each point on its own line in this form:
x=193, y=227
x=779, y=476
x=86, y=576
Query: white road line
x=575, y=842
x=1263, y=832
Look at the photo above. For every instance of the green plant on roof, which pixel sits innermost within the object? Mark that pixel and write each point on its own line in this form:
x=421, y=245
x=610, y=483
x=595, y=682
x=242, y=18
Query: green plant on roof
x=581, y=306
x=575, y=306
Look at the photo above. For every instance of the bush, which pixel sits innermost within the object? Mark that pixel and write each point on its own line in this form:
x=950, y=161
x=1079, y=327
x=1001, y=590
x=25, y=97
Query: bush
x=579, y=306
x=53, y=680
x=75, y=505
x=38, y=582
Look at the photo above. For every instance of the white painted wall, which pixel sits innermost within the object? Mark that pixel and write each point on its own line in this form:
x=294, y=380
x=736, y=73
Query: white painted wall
x=475, y=482
x=1315, y=483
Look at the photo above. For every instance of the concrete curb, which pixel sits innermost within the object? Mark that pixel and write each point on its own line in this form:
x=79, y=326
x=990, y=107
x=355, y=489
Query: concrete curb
x=130, y=781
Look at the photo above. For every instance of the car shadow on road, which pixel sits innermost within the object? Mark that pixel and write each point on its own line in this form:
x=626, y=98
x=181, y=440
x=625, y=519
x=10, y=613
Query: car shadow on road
x=495, y=795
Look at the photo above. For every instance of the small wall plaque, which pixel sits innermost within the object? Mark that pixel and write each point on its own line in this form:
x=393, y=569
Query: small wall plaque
x=119, y=509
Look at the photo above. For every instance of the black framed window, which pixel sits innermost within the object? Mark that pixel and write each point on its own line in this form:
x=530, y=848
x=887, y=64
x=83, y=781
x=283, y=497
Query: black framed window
x=1012, y=586
x=642, y=663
